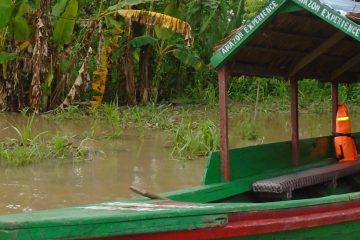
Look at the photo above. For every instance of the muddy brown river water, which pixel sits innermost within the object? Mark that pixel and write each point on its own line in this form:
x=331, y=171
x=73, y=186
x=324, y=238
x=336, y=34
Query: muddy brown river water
x=139, y=158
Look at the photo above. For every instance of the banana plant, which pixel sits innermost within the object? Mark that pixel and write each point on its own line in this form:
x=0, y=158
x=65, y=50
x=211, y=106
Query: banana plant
x=65, y=13
x=147, y=18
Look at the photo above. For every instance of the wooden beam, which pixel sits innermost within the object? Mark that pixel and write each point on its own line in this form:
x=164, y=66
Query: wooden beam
x=346, y=66
x=240, y=69
x=317, y=52
x=223, y=105
x=295, y=37
x=294, y=121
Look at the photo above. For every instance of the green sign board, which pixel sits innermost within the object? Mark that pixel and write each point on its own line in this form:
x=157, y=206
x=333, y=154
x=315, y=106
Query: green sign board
x=252, y=26
x=329, y=15
x=245, y=32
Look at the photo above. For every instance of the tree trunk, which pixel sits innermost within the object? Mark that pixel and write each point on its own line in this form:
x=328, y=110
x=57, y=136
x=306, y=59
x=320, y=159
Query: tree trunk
x=40, y=54
x=145, y=68
x=129, y=68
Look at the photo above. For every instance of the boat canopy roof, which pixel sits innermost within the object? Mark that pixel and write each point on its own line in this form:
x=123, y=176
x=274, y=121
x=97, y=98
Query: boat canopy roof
x=301, y=39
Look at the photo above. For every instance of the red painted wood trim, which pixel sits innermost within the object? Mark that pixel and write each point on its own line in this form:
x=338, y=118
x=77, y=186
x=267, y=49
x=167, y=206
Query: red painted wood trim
x=294, y=121
x=335, y=96
x=223, y=105
x=263, y=222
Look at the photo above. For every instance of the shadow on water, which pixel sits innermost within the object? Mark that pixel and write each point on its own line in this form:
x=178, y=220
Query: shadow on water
x=139, y=158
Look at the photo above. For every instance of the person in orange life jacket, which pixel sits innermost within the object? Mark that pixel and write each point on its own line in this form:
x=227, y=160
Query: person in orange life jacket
x=345, y=146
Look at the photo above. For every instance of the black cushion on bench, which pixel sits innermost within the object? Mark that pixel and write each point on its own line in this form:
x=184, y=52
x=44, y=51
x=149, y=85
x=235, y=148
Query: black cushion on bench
x=289, y=182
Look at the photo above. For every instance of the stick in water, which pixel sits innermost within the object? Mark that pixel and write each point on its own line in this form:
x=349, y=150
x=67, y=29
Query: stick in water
x=145, y=193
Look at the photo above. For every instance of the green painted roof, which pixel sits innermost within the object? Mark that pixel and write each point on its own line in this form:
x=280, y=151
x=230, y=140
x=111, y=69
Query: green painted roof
x=254, y=26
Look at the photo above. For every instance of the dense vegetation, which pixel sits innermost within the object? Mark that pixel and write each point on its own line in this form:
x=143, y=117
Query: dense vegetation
x=53, y=53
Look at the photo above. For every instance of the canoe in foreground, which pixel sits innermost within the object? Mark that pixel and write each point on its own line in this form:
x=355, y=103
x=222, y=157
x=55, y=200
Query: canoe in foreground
x=330, y=217
x=217, y=209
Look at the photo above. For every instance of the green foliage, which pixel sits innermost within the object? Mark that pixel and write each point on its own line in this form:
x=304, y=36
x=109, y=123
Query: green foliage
x=29, y=149
x=144, y=40
x=193, y=138
x=253, y=6
x=72, y=112
x=6, y=9
x=25, y=132
x=59, y=146
x=189, y=58
x=6, y=56
x=111, y=114
x=59, y=8
x=150, y=115
x=16, y=156
x=21, y=27
x=170, y=10
x=246, y=127
x=33, y=3
x=127, y=3
x=64, y=27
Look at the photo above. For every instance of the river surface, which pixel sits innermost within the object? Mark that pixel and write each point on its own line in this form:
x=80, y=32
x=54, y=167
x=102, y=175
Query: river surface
x=140, y=157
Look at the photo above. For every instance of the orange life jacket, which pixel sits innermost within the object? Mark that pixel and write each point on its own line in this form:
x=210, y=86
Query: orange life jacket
x=345, y=146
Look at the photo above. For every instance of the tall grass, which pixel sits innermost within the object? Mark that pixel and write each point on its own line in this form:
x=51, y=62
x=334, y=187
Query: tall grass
x=29, y=148
x=150, y=115
x=193, y=138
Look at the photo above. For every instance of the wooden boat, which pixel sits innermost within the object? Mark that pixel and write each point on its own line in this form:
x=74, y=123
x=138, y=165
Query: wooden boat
x=286, y=190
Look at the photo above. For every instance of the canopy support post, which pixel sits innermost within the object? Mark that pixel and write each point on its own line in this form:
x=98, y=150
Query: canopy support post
x=223, y=106
x=334, y=100
x=294, y=121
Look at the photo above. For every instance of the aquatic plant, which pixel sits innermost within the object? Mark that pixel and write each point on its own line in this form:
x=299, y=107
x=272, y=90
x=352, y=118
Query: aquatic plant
x=192, y=138
x=29, y=148
x=59, y=146
x=72, y=112
x=25, y=132
x=110, y=113
x=150, y=115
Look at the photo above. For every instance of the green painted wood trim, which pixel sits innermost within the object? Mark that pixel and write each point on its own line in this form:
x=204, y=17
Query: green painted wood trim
x=244, y=34
x=332, y=17
x=116, y=228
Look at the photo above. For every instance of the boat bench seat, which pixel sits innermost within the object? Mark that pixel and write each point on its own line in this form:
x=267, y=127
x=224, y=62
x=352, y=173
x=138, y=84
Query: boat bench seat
x=285, y=184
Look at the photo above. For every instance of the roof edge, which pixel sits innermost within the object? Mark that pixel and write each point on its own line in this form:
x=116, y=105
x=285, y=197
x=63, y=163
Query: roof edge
x=244, y=33
x=332, y=17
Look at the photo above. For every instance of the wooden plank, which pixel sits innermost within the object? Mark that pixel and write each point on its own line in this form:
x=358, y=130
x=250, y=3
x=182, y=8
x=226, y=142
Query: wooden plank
x=238, y=69
x=346, y=66
x=334, y=39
